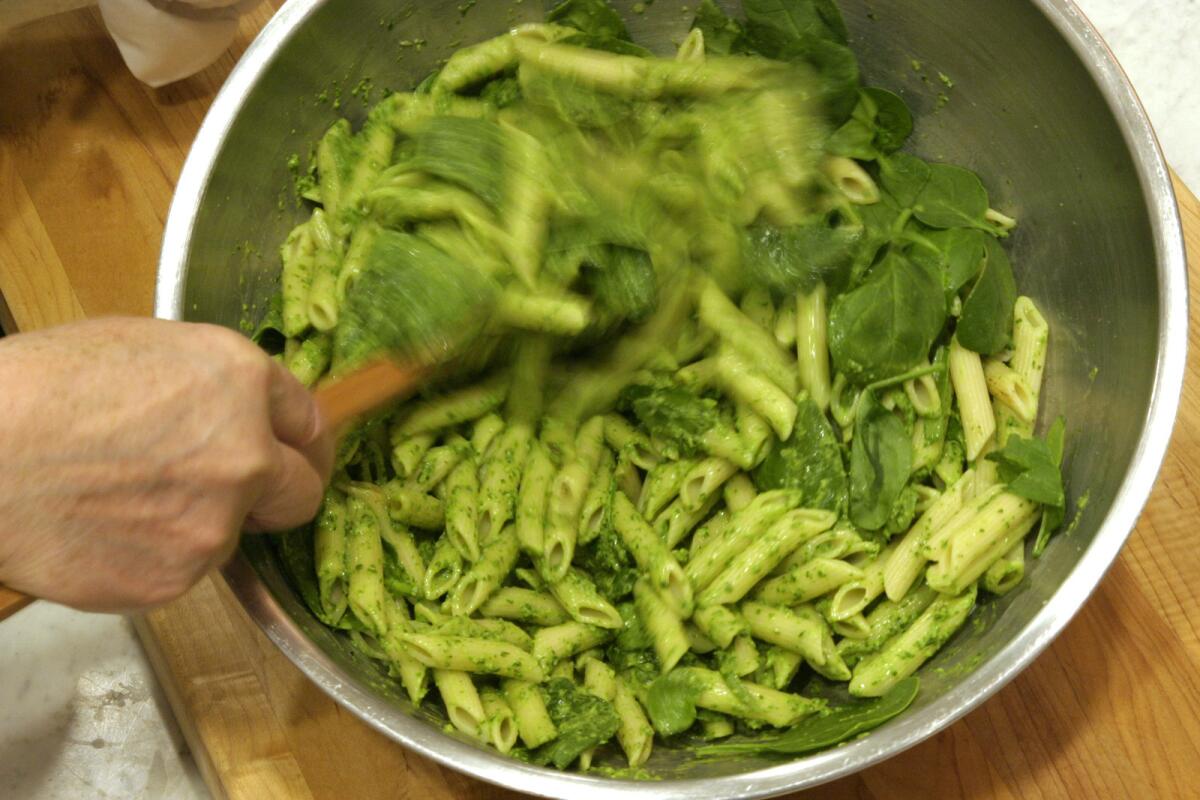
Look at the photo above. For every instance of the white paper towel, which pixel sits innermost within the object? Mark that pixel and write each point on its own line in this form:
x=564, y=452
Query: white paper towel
x=161, y=40
x=166, y=40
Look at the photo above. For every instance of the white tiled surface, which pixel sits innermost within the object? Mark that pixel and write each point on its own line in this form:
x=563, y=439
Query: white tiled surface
x=80, y=716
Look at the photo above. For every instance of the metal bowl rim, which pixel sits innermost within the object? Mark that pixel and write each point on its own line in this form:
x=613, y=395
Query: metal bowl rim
x=902, y=733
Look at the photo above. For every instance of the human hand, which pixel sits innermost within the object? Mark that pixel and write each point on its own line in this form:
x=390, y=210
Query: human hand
x=133, y=451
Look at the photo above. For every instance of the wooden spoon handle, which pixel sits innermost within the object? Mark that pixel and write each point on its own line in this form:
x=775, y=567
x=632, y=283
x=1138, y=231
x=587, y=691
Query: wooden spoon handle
x=11, y=602
x=366, y=389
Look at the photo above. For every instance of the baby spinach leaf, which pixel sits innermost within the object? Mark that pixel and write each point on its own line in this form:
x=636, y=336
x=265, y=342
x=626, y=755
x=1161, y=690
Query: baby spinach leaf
x=780, y=20
x=789, y=259
x=887, y=324
x=963, y=251
x=953, y=197
x=467, y=152
x=596, y=17
x=879, y=124
x=583, y=721
x=987, y=312
x=675, y=415
x=880, y=461
x=1030, y=469
x=1052, y=516
x=810, y=461
x=904, y=177
x=893, y=121
x=624, y=284
x=843, y=722
x=671, y=703
x=855, y=139
x=723, y=35
x=837, y=69
x=609, y=564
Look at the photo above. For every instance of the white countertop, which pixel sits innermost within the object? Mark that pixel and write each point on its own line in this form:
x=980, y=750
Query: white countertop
x=80, y=711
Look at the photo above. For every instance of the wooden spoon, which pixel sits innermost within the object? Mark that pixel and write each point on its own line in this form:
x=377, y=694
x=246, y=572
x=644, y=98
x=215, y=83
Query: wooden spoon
x=11, y=602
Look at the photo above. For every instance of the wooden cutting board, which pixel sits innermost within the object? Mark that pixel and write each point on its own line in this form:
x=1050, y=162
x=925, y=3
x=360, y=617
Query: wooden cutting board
x=88, y=161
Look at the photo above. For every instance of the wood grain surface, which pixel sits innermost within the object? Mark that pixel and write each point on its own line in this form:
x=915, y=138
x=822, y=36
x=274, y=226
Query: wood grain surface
x=88, y=160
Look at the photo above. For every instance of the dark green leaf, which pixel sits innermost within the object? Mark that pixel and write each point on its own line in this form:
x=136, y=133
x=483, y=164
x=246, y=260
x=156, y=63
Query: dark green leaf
x=410, y=298
x=888, y=324
x=880, y=461
x=987, y=313
x=623, y=283
x=786, y=260
x=1029, y=468
x=810, y=461
x=784, y=20
x=893, y=121
x=723, y=35
x=855, y=139
x=570, y=101
x=464, y=151
x=837, y=69
x=583, y=720
x=962, y=251
x=842, y=723
x=609, y=564
x=879, y=124
x=952, y=198
x=596, y=17
x=675, y=415
x=904, y=177
x=671, y=703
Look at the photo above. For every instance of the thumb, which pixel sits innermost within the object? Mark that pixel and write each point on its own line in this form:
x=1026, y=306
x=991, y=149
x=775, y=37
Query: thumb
x=291, y=495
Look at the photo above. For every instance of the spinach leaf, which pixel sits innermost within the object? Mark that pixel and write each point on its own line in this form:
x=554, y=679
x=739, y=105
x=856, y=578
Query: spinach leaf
x=887, y=324
x=675, y=415
x=782, y=20
x=1052, y=516
x=893, y=121
x=723, y=35
x=583, y=720
x=879, y=124
x=790, y=259
x=953, y=197
x=570, y=101
x=1031, y=469
x=880, y=461
x=810, y=461
x=609, y=564
x=624, y=283
x=837, y=69
x=904, y=177
x=595, y=17
x=409, y=296
x=464, y=151
x=843, y=722
x=671, y=703
x=962, y=255
x=987, y=313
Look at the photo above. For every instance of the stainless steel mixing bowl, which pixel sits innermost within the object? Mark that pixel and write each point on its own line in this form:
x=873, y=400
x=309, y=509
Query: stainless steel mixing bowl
x=1038, y=107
